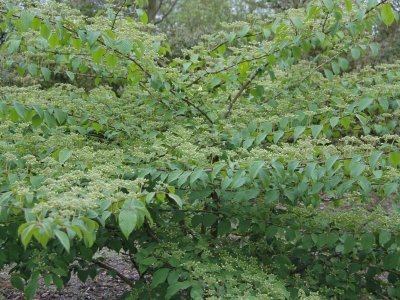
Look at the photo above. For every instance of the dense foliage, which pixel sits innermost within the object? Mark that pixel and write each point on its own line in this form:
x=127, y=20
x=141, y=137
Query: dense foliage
x=254, y=167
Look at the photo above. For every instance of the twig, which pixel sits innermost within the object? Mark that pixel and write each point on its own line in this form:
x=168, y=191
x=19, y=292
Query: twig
x=124, y=278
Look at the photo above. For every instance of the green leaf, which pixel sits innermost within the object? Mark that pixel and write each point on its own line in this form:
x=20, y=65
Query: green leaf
x=230, y=36
x=349, y=244
x=176, y=287
x=365, y=185
x=297, y=22
x=345, y=122
x=53, y=41
x=316, y=130
x=343, y=63
x=197, y=173
x=125, y=46
x=384, y=237
x=92, y=37
x=13, y=46
x=209, y=219
x=248, y=142
x=329, y=5
x=64, y=155
x=224, y=227
x=373, y=159
x=46, y=73
x=297, y=131
x=18, y=283
x=21, y=110
x=364, y=103
x=63, y=238
x=328, y=74
x=355, y=52
x=331, y=161
x=70, y=75
x=26, y=20
x=61, y=116
x=36, y=121
x=271, y=196
x=159, y=277
x=374, y=49
x=332, y=238
x=183, y=178
x=390, y=188
x=357, y=169
x=31, y=288
x=278, y=135
x=98, y=54
x=144, y=18
x=177, y=199
x=387, y=14
x=307, y=242
x=33, y=70
x=221, y=49
x=255, y=168
x=349, y=5
x=127, y=221
x=45, y=31
x=394, y=158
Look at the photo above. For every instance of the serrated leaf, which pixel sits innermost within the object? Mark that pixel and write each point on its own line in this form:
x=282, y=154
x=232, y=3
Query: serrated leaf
x=92, y=37
x=26, y=19
x=277, y=136
x=63, y=238
x=224, y=227
x=127, y=222
x=45, y=31
x=387, y=14
x=355, y=52
x=394, y=158
x=328, y=74
x=125, y=46
x=255, y=168
x=64, y=155
x=357, y=169
x=21, y=110
x=329, y=5
x=177, y=199
x=297, y=22
x=384, y=237
x=176, y=287
x=364, y=103
x=374, y=49
x=159, y=277
x=70, y=75
x=297, y=131
x=53, y=41
x=46, y=73
x=174, y=175
x=13, y=46
x=196, y=174
x=349, y=244
x=18, y=283
x=390, y=188
x=343, y=63
x=271, y=196
x=373, y=159
x=248, y=142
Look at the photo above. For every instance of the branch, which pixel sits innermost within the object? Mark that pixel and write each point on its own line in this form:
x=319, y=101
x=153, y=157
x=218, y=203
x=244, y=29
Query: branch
x=124, y=278
x=240, y=92
x=167, y=13
x=116, y=15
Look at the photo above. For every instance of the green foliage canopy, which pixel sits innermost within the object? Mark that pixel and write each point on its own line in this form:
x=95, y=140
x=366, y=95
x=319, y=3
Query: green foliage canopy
x=227, y=173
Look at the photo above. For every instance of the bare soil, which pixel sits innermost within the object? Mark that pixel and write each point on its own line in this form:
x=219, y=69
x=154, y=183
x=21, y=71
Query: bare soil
x=103, y=286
